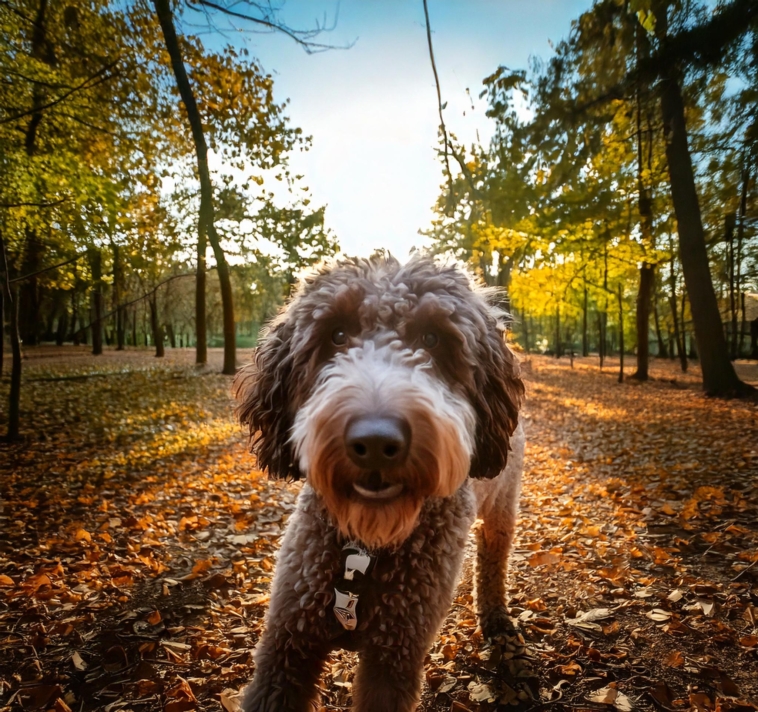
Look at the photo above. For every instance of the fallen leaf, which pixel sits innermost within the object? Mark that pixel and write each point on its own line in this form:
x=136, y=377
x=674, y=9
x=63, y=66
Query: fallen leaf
x=447, y=684
x=543, y=558
x=572, y=668
x=707, y=606
x=701, y=702
x=230, y=700
x=658, y=615
x=480, y=692
x=115, y=659
x=674, y=660
x=587, y=620
x=604, y=696
x=662, y=694
x=78, y=662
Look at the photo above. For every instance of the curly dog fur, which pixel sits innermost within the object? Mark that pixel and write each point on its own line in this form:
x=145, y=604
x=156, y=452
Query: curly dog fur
x=390, y=388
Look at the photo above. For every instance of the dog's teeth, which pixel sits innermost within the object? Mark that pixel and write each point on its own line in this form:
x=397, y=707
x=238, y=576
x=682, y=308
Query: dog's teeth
x=386, y=493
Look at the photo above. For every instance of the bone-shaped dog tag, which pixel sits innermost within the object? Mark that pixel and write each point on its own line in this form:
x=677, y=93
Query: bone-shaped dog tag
x=344, y=608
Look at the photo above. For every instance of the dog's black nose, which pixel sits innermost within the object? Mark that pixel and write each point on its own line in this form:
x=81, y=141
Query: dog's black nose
x=377, y=442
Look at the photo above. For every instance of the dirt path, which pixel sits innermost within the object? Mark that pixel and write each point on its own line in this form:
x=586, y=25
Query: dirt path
x=138, y=544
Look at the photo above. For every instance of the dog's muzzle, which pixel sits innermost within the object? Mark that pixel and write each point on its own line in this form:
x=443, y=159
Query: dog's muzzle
x=378, y=445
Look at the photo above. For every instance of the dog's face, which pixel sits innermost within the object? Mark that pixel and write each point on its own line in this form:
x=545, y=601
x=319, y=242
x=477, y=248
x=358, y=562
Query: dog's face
x=384, y=385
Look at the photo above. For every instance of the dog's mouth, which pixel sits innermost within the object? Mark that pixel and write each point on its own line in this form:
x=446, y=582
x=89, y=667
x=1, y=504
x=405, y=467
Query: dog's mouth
x=373, y=486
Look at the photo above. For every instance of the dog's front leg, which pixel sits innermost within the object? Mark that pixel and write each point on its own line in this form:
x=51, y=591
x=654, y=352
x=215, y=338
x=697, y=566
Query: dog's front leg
x=388, y=680
x=287, y=669
x=494, y=539
x=290, y=655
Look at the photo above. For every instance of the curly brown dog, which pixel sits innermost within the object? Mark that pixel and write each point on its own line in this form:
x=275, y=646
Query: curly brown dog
x=390, y=388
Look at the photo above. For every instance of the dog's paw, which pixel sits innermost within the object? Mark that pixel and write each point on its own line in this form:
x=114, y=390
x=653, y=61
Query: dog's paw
x=496, y=623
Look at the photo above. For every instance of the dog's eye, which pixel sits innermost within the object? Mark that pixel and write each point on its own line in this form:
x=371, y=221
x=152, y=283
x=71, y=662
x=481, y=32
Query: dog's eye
x=339, y=337
x=430, y=339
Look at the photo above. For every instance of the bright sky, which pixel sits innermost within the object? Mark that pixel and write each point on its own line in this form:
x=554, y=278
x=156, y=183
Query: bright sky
x=372, y=109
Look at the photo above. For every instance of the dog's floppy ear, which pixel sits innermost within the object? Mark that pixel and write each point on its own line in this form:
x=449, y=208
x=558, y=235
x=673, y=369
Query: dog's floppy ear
x=498, y=397
x=262, y=393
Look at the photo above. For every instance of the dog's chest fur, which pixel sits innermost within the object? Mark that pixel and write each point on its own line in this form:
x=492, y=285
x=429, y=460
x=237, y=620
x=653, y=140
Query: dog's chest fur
x=404, y=585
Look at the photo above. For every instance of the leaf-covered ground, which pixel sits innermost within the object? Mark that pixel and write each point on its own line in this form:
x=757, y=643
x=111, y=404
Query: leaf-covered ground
x=138, y=541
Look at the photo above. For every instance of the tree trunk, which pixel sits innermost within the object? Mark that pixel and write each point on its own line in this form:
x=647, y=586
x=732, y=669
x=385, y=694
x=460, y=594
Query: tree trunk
x=743, y=326
x=2, y=324
x=525, y=322
x=504, y=273
x=120, y=329
x=719, y=376
x=60, y=332
x=729, y=224
x=156, y=327
x=29, y=289
x=75, y=336
x=737, y=351
x=171, y=334
x=604, y=315
x=96, y=264
x=678, y=332
x=621, y=334
x=645, y=210
x=206, y=217
x=14, y=402
x=201, y=339
x=28, y=293
x=41, y=50
x=662, y=349
x=644, y=298
x=117, y=284
x=557, y=331
x=52, y=314
x=683, y=312
x=72, y=335
x=14, y=399
x=693, y=348
x=585, y=334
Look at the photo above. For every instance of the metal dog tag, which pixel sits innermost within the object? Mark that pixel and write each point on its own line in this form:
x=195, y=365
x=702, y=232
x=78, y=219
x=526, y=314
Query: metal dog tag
x=344, y=609
x=357, y=560
x=360, y=561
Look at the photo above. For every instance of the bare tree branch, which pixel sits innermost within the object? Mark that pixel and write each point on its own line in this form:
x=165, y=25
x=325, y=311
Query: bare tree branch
x=440, y=108
x=449, y=148
x=269, y=21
